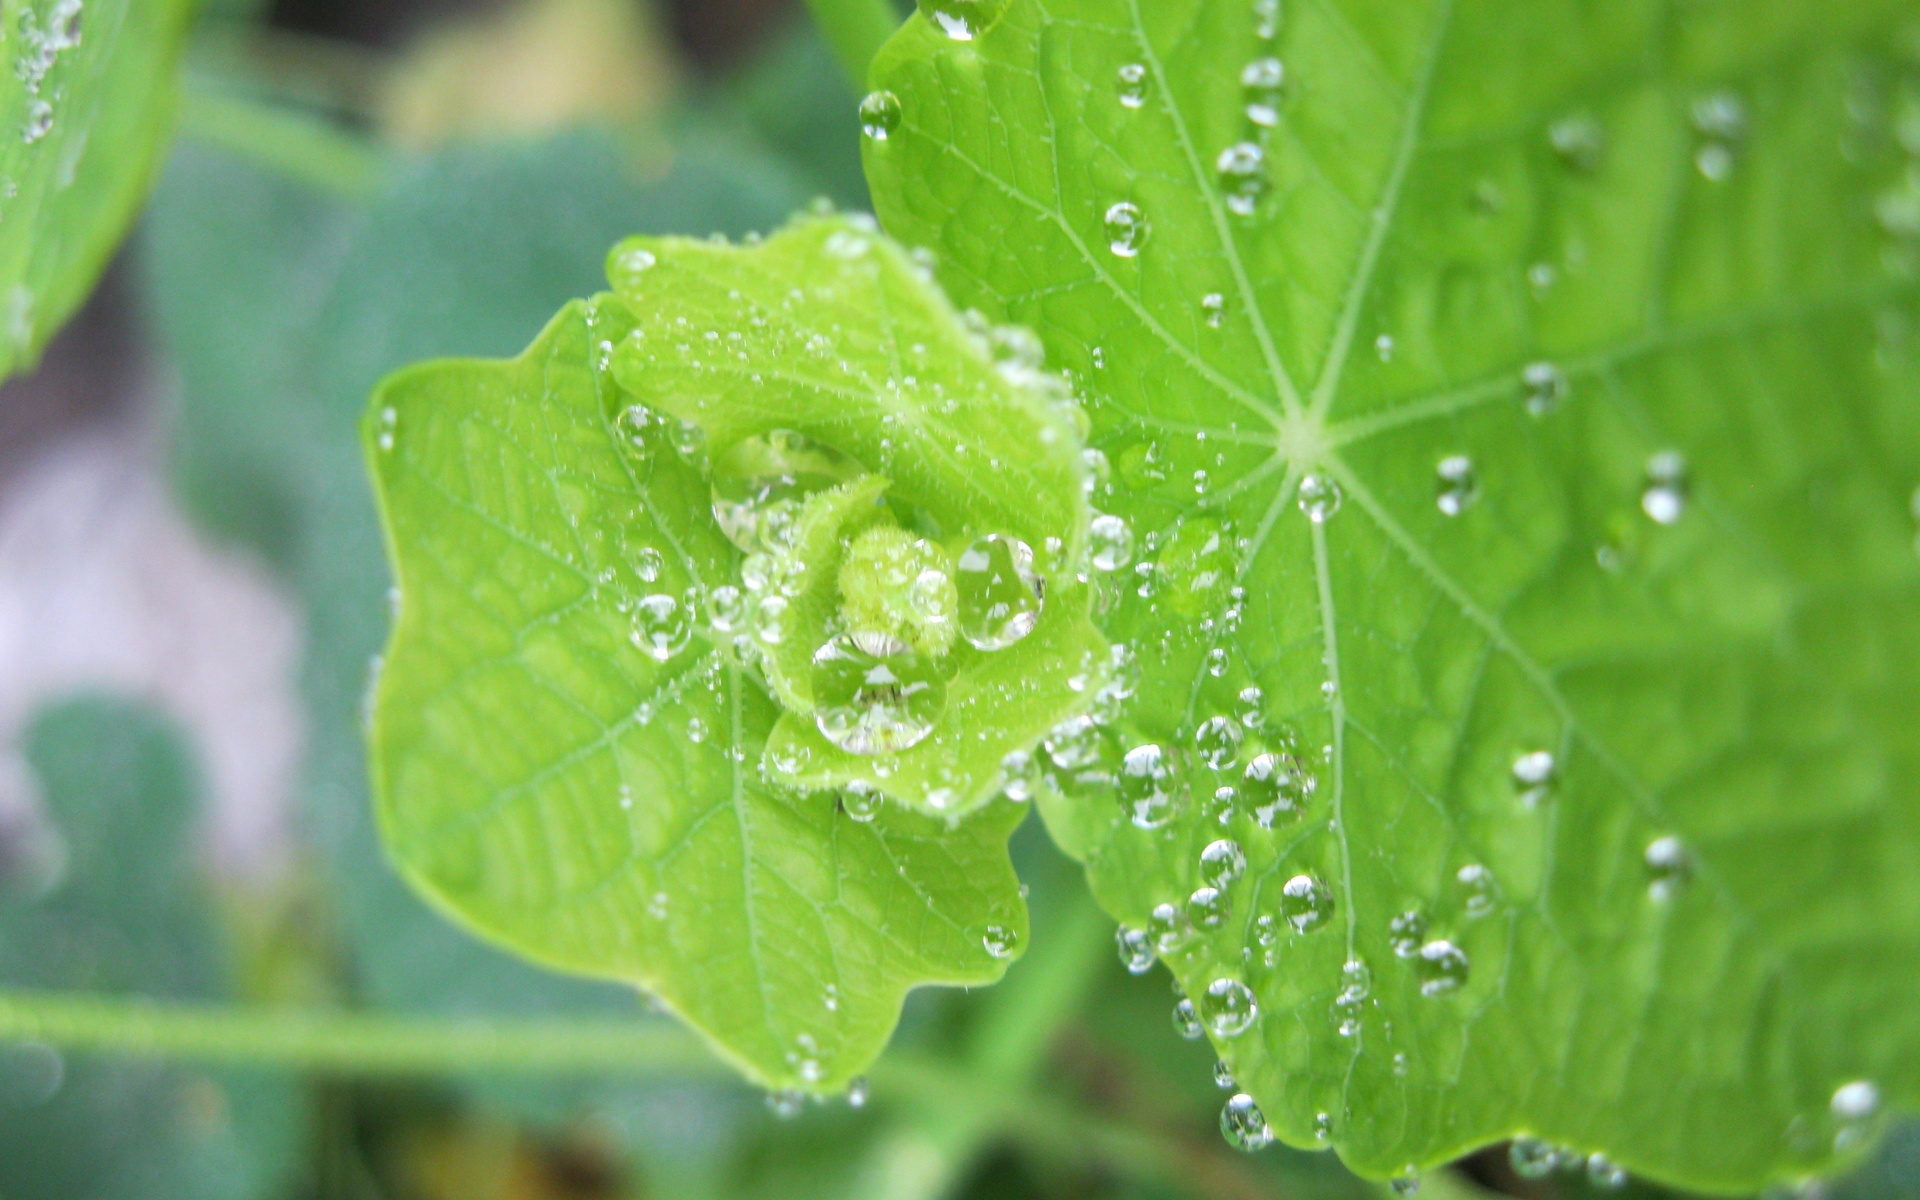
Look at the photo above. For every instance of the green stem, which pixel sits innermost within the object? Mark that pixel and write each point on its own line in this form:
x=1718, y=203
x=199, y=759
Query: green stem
x=292, y=142
x=855, y=29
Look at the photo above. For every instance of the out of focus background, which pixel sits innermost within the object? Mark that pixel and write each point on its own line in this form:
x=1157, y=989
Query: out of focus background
x=192, y=592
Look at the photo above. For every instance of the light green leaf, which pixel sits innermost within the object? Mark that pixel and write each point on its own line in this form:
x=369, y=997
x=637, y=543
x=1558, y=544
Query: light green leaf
x=569, y=757
x=86, y=102
x=1589, y=330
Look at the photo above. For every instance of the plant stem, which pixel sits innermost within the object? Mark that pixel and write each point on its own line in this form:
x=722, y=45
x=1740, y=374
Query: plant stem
x=288, y=140
x=855, y=29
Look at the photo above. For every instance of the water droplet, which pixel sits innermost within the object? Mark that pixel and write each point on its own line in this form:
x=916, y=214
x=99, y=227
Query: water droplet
x=1252, y=700
x=1214, y=305
x=1306, y=903
x=1218, y=742
x=1228, y=1007
x=875, y=694
x=1356, y=984
x=1109, y=542
x=1019, y=775
x=1320, y=497
x=1244, y=1125
x=389, y=423
x=648, y=562
x=1441, y=966
x=726, y=608
x=1242, y=168
x=1169, y=928
x=1221, y=863
x=1261, y=82
x=1458, y=488
x=1383, y=346
x=1603, y=1172
x=858, y=1091
x=962, y=20
x=860, y=801
x=786, y=1103
x=1186, y=1022
x=1721, y=119
x=1223, y=1077
x=1000, y=941
x=1126, y=229
x=1668, y=866
x=1578, y=140
x=1405, y=933
x=1665, y=497
x=39, y=122
x=770, y=620
x=662, y=626
x=1208, y=908
x=1533, y=776
x=1266, y=19
x=1133, y=85
x=1477, y=884
x=1856, y=1101
x=1000, y=596
x=689, y=441
x=1145, y=786
x=628, y=266
x=1546, y=386
x=879, y=115
x=760, y=483
x=1407, y=1183
x=1532, y=1158
x=1323, y=1126
x=1274, y=790
x=1136, y=949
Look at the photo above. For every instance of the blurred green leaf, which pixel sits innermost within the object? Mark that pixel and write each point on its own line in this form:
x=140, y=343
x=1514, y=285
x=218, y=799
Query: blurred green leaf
x=1601, y=319
x=86, y=104
x=129, y=913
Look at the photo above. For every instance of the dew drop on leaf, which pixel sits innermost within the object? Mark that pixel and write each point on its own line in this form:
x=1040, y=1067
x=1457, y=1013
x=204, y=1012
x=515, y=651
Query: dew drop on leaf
x=1126, y=229
x=1208, y=908
x=1252, y=707
x=860, y=801
x=786, y=1104
x=1244, y=1125
x=770, y=620
x=1223, y=1077
x=1221, y=863
x=1406, y=932
x=1476, y=884
x=1133, y=85
x=1260, y=83
x=1407, y=1183
x=1109, y=542
x=1533, y=776
x=962, y=20
x=1665, y=497
x=726, y=608
x=1019, y=775
x=1320, y=497
x=1532, y=1158
x=1168, y=927
x=1228, y=1007
x=879, y=115
x=1146, y=786
x=1578, y=141
x=1457, y=486
x=1604, y=1173
x=1000, y=941
x=628, y=266
x=1214, y=305
x=858, y=1091
x=1306, y=903
x=1266, y=19
x=1441, y=966
x=1856, y=1101
x=662, y=626
x=875, y=694
x=1274, y=790
x=1546, y=386
x=1668, y=866
x=1136, y=949
x=760, y=483
x=1242, y=168
x=1000, y=596
x=1186, y=1022
x=39, y=121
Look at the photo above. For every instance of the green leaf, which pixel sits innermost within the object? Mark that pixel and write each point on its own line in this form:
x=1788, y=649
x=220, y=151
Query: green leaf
x=86, y=103
x=567, y=765
x=127, y=911
x=1589, y=331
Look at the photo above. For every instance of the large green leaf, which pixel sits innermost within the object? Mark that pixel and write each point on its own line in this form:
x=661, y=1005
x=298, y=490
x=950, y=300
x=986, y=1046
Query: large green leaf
x=573, y=760
x=1588, y=332
x=86, y=103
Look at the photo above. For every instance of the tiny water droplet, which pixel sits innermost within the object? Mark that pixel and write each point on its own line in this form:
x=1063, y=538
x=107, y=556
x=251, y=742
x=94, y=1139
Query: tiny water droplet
x=1136, y=949
x=880, y=114
x=1126, y=229
x=1856, y=1101
x=1133, y=85
x=1476, y=882
x=1186, y=1022
x=1252, y=701
x=1320, y=497
x=1019, y=775
x=662, y=626
x=962, y=20
x=1214, y=305
x=858, y=1091
x=1533, y=776
x=1578, y=140
x=1383, y=346
x=1261, y=82
x=1000, y=595
x=1169, y=928
x=1458, y=487
x=1546, y=386
x=1604, y=1173
x=1668, y=866
x=860, y=801
x=1405, y=932
x=1109, y=542
x=629, y=266
x=1407, y=1183
x=39, y=121
x=1228, y=1007
x=1223, y=1077
x=875, y=694
x=1242, y=168
x=1306, y=903
x=1532, y=1158
x=1665, y=497
x=786, y=1103
x=1244, y=1125
x=1441, y=966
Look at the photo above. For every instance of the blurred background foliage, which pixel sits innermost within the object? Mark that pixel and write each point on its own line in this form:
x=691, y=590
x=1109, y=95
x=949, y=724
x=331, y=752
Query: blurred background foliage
x=359, y=184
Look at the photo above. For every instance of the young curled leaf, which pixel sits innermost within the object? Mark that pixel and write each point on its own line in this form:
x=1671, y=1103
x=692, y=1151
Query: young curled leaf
x=598, y=735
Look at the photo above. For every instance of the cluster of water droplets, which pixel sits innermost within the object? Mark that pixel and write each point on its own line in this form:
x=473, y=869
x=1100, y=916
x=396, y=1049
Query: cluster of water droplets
x=43, y=32
x=1534, y=1159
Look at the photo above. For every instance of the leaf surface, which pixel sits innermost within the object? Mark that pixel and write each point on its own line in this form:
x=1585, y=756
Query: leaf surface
x=86, y=103
x=552, y=783
x=1587, y=331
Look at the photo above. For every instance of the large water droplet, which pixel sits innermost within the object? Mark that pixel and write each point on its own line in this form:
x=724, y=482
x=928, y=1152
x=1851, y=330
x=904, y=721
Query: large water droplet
x=1260, y=84
x=1228, y=1007
x=1274, y=790
x=1306, y=903
x=879, y=115
x=1221, y=863
x=875, y=694
x=1244, y=1125
x=1146, y=786
x=1320, y=497
x=1242, y=168
x=662, y=626
x=760, y=483
x=1665, y=497
x=1126, y=229
x=1441, y=966
x=1000, y=596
